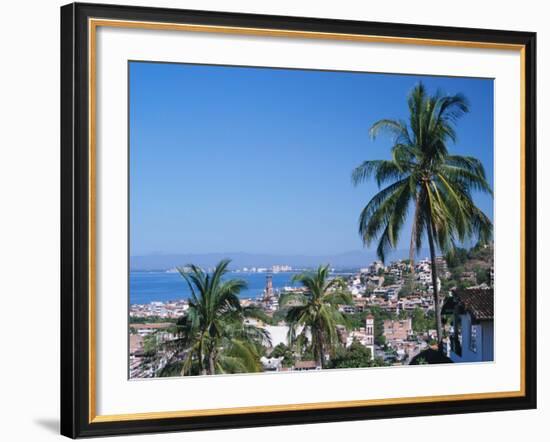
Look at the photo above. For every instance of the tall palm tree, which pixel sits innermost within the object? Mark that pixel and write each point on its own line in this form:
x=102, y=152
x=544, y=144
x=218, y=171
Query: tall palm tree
x=214, y=334
x=424, y=176
x=316, y=310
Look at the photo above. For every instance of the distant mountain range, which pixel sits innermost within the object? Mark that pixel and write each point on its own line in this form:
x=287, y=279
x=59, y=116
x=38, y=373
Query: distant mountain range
x=351, y=259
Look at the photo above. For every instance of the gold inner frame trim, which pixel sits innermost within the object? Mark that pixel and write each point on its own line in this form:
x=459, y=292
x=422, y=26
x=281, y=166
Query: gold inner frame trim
x=93, y=24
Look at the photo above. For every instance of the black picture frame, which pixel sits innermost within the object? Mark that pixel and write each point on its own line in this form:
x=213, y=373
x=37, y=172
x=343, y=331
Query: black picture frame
x=75, y=194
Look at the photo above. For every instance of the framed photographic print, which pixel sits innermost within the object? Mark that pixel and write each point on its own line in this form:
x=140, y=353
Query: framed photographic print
x=274, y=220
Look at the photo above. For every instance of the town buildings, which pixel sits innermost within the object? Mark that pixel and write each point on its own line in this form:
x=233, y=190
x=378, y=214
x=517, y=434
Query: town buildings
x=158, y=309
x=397, y=291
x=398, y=330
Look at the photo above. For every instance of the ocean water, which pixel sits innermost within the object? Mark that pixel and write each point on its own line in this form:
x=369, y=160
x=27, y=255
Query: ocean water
x=146, y=287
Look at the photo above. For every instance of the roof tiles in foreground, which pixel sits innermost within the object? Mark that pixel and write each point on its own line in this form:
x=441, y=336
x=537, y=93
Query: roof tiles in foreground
x=479, y=302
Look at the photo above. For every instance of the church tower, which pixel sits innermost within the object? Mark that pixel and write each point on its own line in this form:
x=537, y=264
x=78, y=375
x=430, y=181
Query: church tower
x=268, y=291
x=369, y=334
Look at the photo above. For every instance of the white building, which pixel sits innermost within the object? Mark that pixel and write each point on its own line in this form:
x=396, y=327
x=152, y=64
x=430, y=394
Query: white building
x=281, y=268
x=279, y=334
x=271, y=364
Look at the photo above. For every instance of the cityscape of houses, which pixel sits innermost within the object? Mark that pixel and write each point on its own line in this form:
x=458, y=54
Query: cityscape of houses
x=391, y=316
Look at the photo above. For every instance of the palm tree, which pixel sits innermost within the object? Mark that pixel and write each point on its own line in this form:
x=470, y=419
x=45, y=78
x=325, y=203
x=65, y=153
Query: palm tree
x=316, y=310
x=214, y=334
x=424, y=176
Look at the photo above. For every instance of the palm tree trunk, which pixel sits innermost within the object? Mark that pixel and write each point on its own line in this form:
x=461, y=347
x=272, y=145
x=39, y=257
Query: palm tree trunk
x=412, y=246
x=202, y=367
x=320, y=348
x=437, y=305
x=211, y=364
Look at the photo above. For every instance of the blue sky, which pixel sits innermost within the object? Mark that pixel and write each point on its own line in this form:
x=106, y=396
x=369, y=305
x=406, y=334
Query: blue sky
x=231, y=159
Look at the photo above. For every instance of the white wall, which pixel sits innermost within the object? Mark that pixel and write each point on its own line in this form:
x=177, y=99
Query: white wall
x=29, y=255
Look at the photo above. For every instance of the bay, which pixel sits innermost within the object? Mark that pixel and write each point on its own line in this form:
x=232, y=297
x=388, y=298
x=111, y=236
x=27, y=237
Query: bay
x=147, y=287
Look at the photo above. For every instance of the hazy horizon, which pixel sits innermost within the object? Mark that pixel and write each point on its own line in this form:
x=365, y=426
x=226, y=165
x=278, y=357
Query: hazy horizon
x=349, y=259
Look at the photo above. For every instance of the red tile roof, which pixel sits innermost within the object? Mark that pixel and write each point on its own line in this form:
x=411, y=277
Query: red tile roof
x=305, y=364
x=478, y=302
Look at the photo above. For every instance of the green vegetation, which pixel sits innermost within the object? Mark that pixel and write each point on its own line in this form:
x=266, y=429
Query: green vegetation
x=150, y=345
x=423, y=173
x=213, y=333
x=281, y=350
x=456, y=257
x=478, y=259
x=171, y=369
x=422, y=322
x=279, y=315
x=355, y=356
x=389, y=279
x=482, y=276
x=410, y=286
x=316, y=311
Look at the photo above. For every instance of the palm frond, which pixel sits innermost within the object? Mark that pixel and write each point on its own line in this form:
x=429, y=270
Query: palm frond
x=384, y=213
x=396, y=128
